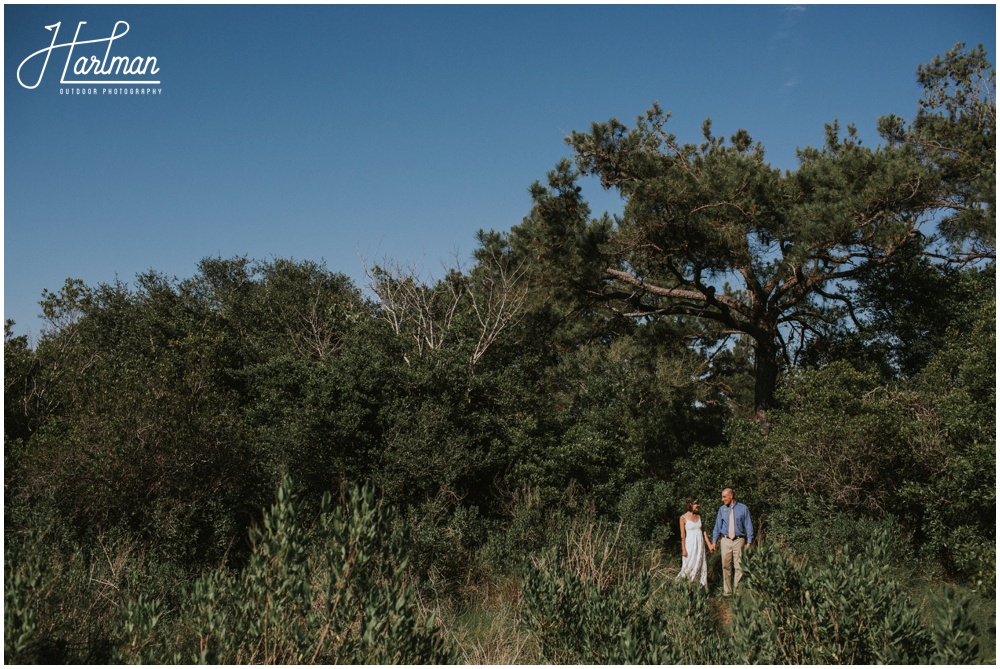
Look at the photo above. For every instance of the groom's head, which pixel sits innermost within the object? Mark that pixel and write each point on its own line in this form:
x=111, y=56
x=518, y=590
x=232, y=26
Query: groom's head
x=727, y=496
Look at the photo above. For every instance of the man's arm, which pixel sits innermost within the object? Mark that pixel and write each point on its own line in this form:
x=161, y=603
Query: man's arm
x=749, y=526
x=718, y=527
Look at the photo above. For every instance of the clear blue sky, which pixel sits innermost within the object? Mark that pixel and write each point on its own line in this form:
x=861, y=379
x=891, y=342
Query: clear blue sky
x=322, y=132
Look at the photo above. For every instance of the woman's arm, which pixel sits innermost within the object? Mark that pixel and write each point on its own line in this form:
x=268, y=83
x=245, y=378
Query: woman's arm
x=684, y=550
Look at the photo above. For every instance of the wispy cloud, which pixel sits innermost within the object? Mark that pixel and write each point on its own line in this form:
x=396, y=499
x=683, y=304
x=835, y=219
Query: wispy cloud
x=789, y=19
x=786, y=44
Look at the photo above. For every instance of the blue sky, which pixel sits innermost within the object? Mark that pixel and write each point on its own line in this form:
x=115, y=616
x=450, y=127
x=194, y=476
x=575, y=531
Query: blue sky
x=325, y=132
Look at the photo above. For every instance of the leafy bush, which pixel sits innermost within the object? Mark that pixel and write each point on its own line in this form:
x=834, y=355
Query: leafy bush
x=64, y=604
x=589, y=601
x=528, y=527
x=952, y=504
x=442, y=535
x=813, y=524
x=648, y=510
x=839, y=435
x=22, y=577
x=341, y=596
x=333, y=591
x=580, y=621
x=844, y=610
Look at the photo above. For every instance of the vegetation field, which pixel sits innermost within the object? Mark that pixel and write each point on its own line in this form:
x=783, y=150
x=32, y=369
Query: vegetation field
x=266, y=463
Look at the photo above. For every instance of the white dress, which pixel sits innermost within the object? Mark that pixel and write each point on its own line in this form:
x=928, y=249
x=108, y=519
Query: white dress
x=694, y=567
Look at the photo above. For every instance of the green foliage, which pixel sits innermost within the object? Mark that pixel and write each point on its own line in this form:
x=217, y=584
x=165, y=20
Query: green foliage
x=954, y=441
x=647, y=510
x=955, y=635
x=837, y=435
x=733, y=463
x=923, y=451
x=903, y=313
x=617, y=415
x=139, y=621
x=443, y=536
x=273, y=596
x=340, y=595
x=336, y=590
x=846, y=609
x=139, y=433
x=581, y=622
x=67, y=604
x=697, y=215
x=528, y=528
x=955, y=133
x=561, y=250
x=590, y=599
x=19, y=369
x=812, y=525
x=23, y=574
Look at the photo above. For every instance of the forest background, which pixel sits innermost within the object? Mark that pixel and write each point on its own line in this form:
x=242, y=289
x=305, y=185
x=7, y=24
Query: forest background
x=260, y=463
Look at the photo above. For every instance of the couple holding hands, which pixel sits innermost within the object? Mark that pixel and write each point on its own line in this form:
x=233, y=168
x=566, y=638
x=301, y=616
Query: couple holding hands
x=733, y=531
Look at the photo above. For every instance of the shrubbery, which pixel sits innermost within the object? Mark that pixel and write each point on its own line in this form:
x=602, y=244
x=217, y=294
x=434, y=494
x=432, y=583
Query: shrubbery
x=847, y=609
x=333, y=591
x=339, y=589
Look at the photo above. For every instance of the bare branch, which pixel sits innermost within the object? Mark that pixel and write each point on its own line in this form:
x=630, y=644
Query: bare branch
x=411, y=308
x=500, y=303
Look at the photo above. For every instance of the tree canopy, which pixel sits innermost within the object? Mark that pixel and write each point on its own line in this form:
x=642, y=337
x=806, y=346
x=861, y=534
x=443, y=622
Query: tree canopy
x=712, y=233
x=954, y=132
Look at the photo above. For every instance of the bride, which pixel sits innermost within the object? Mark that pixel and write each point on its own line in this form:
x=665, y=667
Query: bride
x=693, y=543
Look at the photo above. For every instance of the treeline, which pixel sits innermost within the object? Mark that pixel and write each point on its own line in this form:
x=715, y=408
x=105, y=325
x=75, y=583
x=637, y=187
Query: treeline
x=821, y=340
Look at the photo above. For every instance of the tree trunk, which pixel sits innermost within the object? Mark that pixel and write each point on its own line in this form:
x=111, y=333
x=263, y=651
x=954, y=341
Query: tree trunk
x=766, y=368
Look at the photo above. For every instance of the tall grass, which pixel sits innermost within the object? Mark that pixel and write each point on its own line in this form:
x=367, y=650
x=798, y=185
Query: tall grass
x=339, y=588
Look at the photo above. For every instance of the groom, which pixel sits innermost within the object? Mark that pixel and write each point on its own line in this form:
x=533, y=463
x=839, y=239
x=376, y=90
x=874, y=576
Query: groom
x=734, y=526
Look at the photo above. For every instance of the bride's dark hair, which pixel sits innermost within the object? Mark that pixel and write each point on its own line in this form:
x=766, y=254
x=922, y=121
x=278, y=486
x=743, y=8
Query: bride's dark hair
x=691, y=501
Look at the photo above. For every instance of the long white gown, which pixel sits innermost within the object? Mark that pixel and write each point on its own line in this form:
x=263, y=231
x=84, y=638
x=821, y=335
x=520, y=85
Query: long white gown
x=695, y=566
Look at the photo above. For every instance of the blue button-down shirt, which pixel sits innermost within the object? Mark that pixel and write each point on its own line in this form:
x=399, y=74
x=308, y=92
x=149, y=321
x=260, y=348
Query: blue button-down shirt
x=741, y=514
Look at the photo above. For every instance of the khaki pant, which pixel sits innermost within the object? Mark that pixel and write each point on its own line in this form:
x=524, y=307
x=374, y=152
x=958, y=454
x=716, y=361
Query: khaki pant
x=732, y=552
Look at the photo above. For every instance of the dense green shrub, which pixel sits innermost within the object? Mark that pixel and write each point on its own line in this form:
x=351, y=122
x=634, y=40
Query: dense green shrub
x=591, y=600
x=339, y=596
x=952, y=504
x=812, y=525
x=648, y=510
x=579, y=621
x=790, y=609
x=442, y=538
x=528, y=527
x=839, y=435
x=67, y=604
x=332, y=591
x=846, y=609
x=22, y=577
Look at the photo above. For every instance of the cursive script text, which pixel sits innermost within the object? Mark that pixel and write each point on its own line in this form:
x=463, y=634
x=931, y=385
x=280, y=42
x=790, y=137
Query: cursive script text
x=92, y=66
